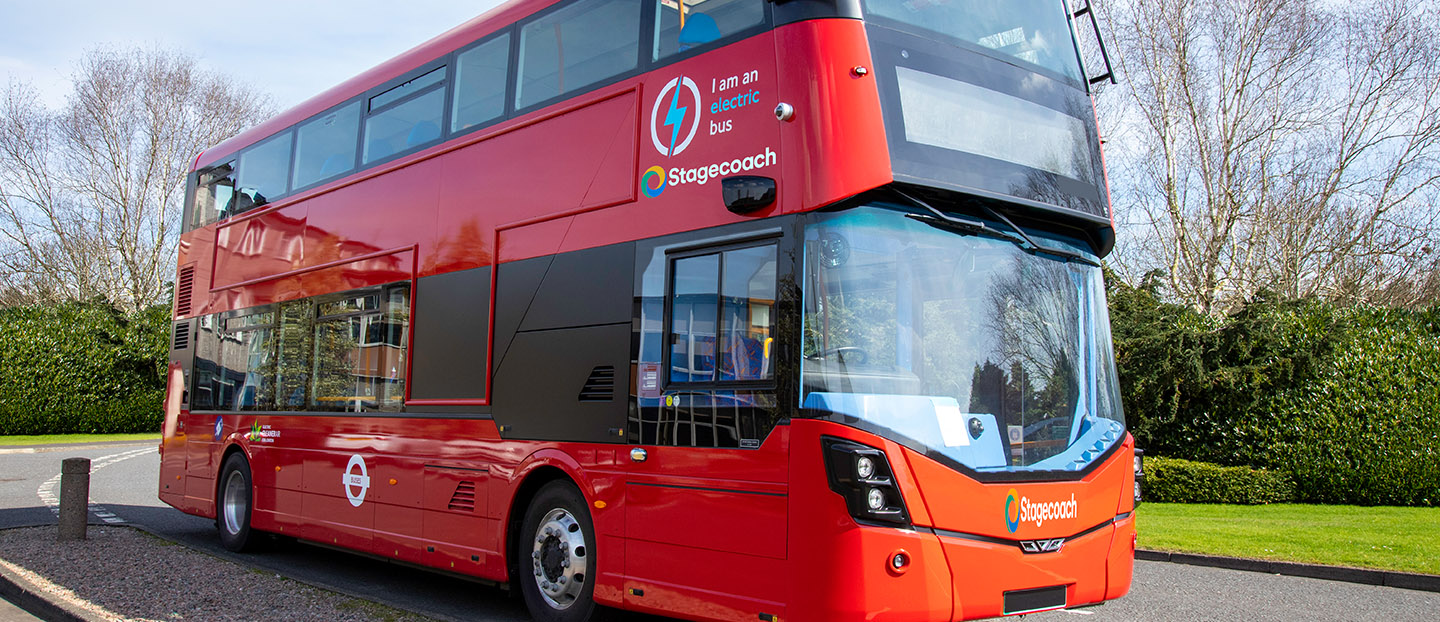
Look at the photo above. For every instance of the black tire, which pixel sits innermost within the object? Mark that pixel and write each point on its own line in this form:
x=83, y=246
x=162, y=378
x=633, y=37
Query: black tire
x=556, y=564
x=234, y=502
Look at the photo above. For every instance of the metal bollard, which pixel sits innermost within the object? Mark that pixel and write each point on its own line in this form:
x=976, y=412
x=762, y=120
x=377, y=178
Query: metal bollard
x=74, y=498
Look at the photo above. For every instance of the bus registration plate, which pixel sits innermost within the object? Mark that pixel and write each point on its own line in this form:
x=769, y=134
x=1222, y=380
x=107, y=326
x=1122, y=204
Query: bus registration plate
x=1030, y=601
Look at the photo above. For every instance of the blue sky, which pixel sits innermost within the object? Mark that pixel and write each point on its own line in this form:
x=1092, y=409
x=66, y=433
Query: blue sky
x=291, y=49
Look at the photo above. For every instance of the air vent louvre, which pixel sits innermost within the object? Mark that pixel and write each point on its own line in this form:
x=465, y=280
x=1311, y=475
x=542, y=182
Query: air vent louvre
x=184, y=289
x=464, y=498
x=181, y=339
x=600, y=386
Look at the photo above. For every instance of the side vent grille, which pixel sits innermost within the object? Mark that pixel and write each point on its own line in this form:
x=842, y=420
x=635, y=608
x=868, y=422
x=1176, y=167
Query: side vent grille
x=464, y=498
x=600, y=387
x=182, y=336
x=184, y=289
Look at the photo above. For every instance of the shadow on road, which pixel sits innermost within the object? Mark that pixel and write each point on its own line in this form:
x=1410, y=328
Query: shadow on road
x=26, y=517
x=403, y=587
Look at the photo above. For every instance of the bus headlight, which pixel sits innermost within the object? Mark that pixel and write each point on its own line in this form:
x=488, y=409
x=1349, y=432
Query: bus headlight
x=861, y=474
x=865, y=467
x=876, y=499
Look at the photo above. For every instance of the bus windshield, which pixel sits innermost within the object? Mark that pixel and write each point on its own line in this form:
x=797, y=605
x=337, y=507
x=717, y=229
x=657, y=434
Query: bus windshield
x=964, y=346
x=1033, y=31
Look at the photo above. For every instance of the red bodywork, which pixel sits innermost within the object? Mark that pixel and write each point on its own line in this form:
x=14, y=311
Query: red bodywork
x=761, y=533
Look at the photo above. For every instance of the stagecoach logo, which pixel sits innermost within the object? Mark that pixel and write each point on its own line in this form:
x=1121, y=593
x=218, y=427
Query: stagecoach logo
x=356, y=484
x=1012, y=511
x=681, y=100
x=1020, y=509
x=653, y=182
x=219, y=427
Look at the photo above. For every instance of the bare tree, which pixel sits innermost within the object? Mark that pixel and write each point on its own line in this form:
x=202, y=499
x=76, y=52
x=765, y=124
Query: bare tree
x=90, y=195
x=1276, y=145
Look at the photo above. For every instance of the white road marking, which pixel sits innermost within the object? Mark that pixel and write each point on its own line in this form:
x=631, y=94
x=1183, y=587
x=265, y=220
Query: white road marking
x=49, y=491
x=1079, y=612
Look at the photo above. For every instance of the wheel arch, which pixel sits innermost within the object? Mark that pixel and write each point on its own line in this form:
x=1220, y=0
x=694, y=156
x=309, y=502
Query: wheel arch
x=538, y=470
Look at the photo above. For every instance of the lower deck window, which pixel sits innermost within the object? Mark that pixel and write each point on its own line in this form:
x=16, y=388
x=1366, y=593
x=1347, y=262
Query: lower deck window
x=343, y=352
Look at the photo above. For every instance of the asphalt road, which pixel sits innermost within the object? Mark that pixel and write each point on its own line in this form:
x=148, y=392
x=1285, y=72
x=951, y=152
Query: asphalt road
x=123, y=485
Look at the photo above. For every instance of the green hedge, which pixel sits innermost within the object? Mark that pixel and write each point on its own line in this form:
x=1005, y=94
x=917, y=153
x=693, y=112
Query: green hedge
x=1172, y=480
x=81, y=367
x=1344, y=400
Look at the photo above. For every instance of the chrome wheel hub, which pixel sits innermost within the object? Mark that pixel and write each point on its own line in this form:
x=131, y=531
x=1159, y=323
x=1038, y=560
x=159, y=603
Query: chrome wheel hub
x=234, y=505
x=559, y=559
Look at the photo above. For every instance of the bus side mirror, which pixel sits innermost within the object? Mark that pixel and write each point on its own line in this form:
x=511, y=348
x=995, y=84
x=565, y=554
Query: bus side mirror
x=746, y=193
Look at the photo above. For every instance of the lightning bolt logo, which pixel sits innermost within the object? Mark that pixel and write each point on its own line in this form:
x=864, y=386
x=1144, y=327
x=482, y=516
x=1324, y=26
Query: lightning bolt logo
x=675, y=117
x=678, y=97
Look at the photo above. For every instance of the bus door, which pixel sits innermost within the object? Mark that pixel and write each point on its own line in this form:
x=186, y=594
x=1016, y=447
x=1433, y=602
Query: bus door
x=706, y=499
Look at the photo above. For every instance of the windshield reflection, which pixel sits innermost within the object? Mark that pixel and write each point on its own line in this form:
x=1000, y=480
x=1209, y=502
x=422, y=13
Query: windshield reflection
x=967, y=345
x=1034, y=31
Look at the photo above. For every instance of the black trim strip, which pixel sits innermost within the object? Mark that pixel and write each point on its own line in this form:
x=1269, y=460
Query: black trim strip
x=372, y=414
x=702, y=488
x=455, y=468
x=960, y=535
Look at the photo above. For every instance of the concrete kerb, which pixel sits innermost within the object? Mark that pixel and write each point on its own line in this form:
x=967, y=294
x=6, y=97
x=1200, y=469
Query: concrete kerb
x=19, y=591
x=1366, y=576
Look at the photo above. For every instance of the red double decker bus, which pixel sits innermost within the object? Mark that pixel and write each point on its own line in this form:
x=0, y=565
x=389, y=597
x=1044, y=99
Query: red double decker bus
x=721, y=309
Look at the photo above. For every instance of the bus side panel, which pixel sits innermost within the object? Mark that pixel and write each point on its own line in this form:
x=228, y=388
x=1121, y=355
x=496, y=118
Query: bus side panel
x=706, y=530
x=1121, y=569
x=391, y=211
x=530, y=171
x=835, y=146
x=260, y=246
x=458, y=536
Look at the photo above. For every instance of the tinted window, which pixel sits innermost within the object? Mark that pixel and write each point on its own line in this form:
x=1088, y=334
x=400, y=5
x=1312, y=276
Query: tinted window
x=235, y=363
x=737, y=287
x=747, y=317
x=358, y=368
x=296, y=344
x=577, y=46
x=407, y=89
x=340, y=352
x=214, y=195
x=480, y=83
x=325, y=146
x=1034, y=31
x=692, y=311
x=264, y=173
x=704, y=21
x=404, y=127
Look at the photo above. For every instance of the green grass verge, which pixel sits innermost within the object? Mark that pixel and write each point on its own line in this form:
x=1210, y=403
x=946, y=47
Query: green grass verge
x=57, y=439
x=1386, y=538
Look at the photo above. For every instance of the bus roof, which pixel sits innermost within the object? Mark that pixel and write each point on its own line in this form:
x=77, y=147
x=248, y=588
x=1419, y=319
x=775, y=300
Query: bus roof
x=489, y=22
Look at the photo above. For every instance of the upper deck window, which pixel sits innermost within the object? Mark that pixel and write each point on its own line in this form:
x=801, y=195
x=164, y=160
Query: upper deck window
x=1034, y=31
x=576, y=46
x=682, y=25
x=397, y=127
x=480, y=83
x=264, y=173
x=213, y=194
x=325, y=145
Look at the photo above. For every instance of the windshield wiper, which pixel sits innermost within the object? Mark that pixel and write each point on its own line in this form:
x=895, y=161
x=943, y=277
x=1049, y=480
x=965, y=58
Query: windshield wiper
x=965, y=225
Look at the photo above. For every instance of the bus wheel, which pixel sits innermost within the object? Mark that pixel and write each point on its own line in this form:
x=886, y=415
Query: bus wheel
x=235, y=504
x=558, y=582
